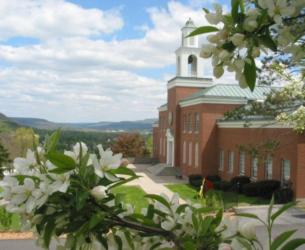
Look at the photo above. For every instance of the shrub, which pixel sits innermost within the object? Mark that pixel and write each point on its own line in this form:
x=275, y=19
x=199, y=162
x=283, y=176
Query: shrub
x=223, y=185
x=195, y=180
x=283, y=195
x=251, y=189
x=264, y=189
x=268, y=187
x=213, y=178
x=238, y=182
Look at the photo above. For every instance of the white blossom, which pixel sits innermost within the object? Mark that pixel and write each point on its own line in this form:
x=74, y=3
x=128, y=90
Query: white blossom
x=99, y=192
x=206, y=50
x=248, y=230
x=237, y=39
x=77, y=148
x=106, y=162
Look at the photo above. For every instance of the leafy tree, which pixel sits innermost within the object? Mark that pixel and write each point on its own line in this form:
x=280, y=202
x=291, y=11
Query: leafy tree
x=4, y=160
x=25, y=138
x=129, y=144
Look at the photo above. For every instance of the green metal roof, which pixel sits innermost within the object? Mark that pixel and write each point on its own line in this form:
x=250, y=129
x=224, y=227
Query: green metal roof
x=163, y=106
x=231, y=91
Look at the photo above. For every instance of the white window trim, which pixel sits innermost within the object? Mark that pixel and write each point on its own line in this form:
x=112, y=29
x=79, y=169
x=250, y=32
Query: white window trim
x=231, y=160
x=254, y=159
x=242, y=163
x=196, y=155
x=184, y=153
x=267, y=161
x=190, y=160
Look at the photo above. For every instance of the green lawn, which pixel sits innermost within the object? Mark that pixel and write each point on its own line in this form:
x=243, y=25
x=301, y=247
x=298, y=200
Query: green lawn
x=5, y=220
x=229, y=199
x=133, y=195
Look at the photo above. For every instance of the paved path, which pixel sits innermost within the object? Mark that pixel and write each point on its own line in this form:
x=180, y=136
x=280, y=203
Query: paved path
x=294, y=218
x=153, y=184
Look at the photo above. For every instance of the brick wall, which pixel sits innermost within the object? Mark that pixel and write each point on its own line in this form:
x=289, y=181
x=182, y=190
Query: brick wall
x=228, y=139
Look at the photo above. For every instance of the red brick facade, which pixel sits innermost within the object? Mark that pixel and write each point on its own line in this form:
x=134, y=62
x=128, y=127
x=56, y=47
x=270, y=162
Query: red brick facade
x=198, y=143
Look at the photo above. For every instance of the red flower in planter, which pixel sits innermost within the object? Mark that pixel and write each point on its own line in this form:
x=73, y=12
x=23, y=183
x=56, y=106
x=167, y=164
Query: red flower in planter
x=208, y=185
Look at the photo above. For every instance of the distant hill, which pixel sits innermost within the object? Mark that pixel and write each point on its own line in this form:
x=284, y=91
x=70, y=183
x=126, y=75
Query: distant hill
x=141, y=125
x=7, y=124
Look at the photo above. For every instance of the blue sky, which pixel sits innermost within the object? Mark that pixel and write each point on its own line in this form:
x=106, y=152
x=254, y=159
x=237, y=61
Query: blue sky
x=90, y=60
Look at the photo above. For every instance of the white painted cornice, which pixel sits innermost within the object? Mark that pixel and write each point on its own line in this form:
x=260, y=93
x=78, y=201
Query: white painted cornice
x=191, y=82
x=162, y=108
x=252, y=124
x=212, y=100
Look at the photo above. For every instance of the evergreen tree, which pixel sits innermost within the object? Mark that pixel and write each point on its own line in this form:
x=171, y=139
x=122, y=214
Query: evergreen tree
x=4, y=160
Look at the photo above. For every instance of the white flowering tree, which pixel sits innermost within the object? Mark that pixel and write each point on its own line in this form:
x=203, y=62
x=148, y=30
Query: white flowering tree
x=252, y=29
x=67, y=197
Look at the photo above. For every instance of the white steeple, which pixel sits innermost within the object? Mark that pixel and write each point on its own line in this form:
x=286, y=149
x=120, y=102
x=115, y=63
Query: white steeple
x=189, y=63
x=186, y=30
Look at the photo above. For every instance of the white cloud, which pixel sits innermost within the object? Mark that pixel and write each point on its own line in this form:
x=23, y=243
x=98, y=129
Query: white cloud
x=45, y=19
x=69, y=76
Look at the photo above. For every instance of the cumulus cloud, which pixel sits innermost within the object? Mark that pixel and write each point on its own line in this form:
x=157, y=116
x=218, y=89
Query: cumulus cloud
x=45, y=19
x=69, y=76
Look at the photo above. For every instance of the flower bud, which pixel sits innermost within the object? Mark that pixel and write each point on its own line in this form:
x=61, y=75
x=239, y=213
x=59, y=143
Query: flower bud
x=248, y=230
x=237, y=39
x=218, y=71
x=250, y=24
x=206, y=51
x=99, y=192
x=213, y=38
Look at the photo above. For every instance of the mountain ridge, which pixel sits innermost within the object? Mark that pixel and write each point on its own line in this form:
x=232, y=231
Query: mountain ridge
x=138, y=125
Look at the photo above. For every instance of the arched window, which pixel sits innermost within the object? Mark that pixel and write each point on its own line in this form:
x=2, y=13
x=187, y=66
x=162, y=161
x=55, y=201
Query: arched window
x=192, y=65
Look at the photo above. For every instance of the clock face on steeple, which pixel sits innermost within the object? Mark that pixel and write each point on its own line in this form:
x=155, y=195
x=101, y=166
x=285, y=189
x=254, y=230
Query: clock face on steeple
x=170, y=118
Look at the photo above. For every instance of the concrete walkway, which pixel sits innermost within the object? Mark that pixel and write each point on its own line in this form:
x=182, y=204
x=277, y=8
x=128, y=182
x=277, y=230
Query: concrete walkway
x=153, y=184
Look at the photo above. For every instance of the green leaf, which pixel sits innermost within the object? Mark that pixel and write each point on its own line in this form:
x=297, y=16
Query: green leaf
x=181, y=208
x=206, y=225
x=293, y=244
x=48, y=232
x=279, y=240
x=250, y=72
x=123, y=171
x=245, y=243
x=270, y=210
x=81, y=198
x=206, y=10
x=203, y=30
x=61, y=161
x=195, y=222
x=189, y=245
x=119, y=183
x=52, y=141
x=248, y=215
x=96, y=219
x=282, y=210
x=160, y=199
x=234, y=9
x=218, y=217
x=229, y=46
x=268, y=42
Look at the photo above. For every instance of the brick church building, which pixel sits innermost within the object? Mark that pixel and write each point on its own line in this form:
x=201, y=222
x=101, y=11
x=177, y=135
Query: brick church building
x=192, y=135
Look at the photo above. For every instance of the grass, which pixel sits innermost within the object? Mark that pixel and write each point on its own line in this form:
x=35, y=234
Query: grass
x=230, y=199
x=9, y=222
x=133, y=195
